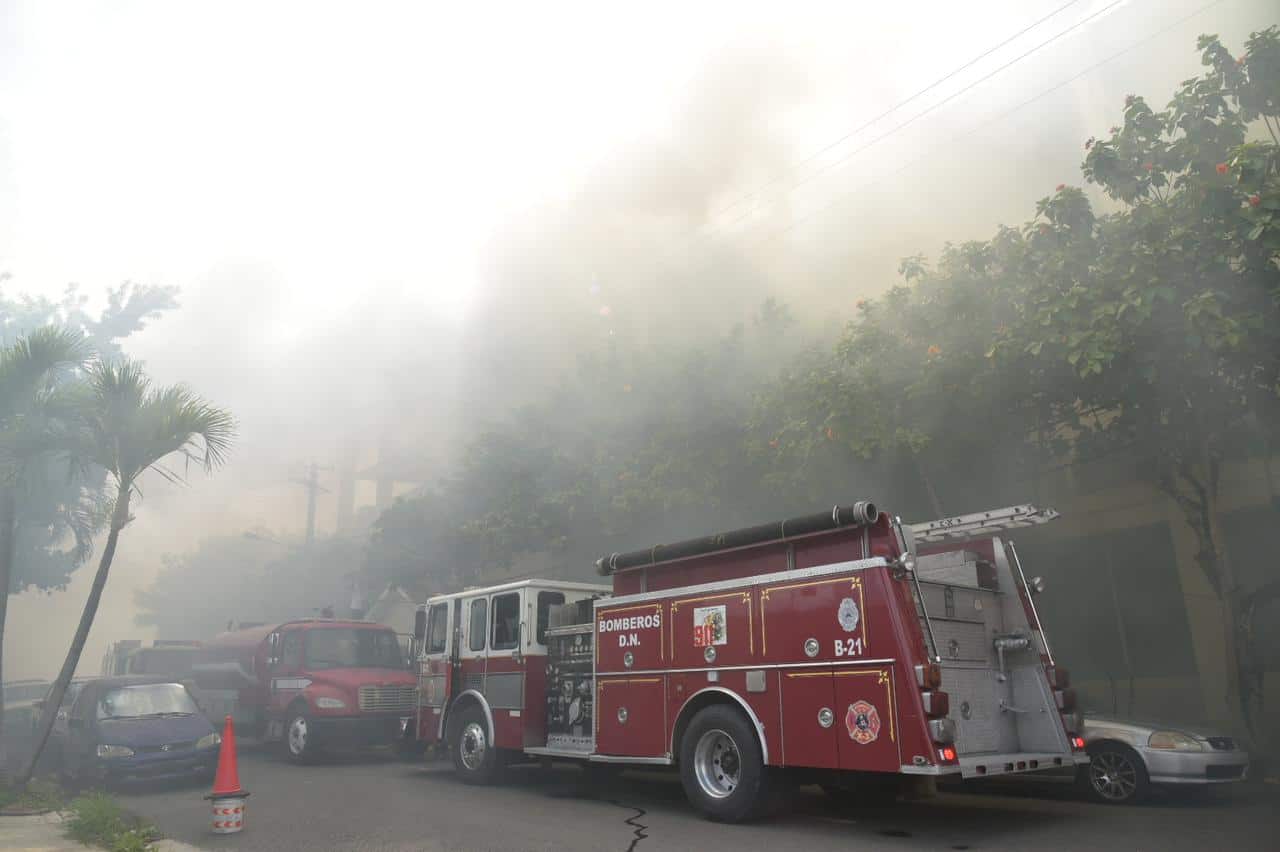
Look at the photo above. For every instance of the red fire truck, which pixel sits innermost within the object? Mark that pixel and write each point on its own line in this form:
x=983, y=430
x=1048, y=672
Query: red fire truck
x=311, y=684
x=821, y=649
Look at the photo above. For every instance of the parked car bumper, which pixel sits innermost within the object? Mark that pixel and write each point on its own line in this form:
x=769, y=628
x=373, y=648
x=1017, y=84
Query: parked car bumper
x=149, y=767
x=1195, y=767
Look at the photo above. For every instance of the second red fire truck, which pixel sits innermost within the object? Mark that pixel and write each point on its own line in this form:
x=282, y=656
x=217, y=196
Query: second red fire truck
x=822, y=649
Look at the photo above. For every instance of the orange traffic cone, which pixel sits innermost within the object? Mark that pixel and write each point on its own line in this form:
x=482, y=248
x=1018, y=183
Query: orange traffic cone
x=228, y=798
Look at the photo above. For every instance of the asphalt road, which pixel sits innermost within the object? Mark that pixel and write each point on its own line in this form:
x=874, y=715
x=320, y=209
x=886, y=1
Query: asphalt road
x=379, y=803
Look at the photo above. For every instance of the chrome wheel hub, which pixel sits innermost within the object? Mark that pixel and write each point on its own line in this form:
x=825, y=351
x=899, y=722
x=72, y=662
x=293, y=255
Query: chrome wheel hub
x=298, y=736
x=472, y=746
x=717, y=764
x=1113, y=775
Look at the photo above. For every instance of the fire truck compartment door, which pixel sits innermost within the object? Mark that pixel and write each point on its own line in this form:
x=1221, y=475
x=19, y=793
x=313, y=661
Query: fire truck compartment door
x=866, y=725
x=631, y=714
x=806, y=740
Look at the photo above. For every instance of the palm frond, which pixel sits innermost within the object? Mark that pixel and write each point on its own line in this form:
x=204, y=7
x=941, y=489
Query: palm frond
x=134, y=425
x=29, y=364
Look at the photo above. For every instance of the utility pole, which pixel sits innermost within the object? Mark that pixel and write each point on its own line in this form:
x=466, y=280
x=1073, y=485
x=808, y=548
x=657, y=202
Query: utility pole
x=313, y=486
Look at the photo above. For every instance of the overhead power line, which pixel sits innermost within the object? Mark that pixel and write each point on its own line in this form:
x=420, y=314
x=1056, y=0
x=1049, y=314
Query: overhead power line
x=903, y=125
x=899, y=105
x=1003, y=115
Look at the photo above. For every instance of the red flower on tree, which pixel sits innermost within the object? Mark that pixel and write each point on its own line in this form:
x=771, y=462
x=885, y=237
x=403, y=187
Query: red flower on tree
x=1222, y=168
x=1255, y=200
x=831, y=434
x=1149, y=166
x=1061, y=187
x=935, y=350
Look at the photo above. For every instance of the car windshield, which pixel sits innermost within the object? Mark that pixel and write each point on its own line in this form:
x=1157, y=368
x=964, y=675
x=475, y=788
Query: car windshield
x=351, y=647
x=151, y=699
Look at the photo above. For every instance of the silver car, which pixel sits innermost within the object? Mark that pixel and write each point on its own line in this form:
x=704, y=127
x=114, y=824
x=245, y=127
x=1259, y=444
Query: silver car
x=1127, y=757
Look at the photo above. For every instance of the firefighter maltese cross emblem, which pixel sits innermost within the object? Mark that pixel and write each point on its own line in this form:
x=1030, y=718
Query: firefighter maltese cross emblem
x=848, y=615
x=863, y=722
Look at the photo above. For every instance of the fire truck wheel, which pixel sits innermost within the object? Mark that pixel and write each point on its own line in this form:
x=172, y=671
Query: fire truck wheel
x=299, y=737
x=721, y=765
x=475, y=759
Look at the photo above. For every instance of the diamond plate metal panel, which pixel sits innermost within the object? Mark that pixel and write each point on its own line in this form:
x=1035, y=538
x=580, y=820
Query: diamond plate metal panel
x=962, y=640
x=981, y=726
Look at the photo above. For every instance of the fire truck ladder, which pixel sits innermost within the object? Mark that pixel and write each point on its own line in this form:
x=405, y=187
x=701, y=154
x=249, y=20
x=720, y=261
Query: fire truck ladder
x=981, y=524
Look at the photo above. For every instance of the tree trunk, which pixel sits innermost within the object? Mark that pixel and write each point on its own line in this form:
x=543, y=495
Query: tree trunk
x=1200, y=507
x=8, y=542
x=49, y=713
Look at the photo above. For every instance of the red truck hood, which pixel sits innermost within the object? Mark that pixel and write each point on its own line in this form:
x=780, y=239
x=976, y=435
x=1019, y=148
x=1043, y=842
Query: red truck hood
x=353, y=678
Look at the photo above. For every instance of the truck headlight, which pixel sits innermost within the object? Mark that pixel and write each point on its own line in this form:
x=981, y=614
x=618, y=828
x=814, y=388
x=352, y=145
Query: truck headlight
x=114, y=751
x=324, y=702
x=1173, y=741
x=209, y=741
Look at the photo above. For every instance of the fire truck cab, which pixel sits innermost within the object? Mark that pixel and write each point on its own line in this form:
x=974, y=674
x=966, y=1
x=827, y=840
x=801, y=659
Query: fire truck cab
x=821, y=649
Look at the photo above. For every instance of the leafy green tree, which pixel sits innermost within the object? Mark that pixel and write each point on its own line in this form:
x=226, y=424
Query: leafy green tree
x=128, y=427
x=34, y=407
x=1168, y=312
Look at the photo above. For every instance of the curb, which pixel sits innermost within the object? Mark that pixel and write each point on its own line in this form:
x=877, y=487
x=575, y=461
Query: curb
x=43, y=832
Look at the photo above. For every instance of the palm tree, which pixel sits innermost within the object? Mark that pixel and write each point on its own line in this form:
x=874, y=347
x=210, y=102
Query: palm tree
x=129, y=428
x=33, y=398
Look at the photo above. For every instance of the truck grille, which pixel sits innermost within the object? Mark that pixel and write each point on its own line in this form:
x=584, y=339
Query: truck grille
x=1222, y=743
x=374, y=699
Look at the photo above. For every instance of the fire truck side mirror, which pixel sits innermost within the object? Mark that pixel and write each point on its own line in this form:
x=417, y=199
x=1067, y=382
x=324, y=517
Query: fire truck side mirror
x=420, y=625
x=1036, y=585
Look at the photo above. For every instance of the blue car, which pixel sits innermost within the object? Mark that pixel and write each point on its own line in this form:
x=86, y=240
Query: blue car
x=135, y=728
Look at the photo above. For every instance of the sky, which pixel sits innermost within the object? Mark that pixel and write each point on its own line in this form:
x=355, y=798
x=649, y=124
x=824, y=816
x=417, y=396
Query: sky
x=333, y=184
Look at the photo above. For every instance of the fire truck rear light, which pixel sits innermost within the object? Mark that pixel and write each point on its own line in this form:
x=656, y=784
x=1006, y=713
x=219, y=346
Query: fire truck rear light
x=942, y=730
x=936, y=704
x=948, y=754
x=1077, y=743
x=1058, y=677
x=929, y=675
x=1065, y=699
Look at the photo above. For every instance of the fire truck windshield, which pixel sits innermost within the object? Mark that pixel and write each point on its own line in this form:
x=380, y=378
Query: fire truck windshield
x=351, y=647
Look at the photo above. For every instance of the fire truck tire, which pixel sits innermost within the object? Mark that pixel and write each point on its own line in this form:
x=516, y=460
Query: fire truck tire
x=722, y=767
x=475, y=759
x=300, y=744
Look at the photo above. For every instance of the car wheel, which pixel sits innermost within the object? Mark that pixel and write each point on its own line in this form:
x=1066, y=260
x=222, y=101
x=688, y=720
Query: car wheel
x=475, y=758
x=299, y=738
x=1115, y=775
x=721, y=765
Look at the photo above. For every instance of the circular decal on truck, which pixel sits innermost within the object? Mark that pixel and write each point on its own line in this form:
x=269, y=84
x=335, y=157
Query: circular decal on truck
x=848, y=615
x=863, y=722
